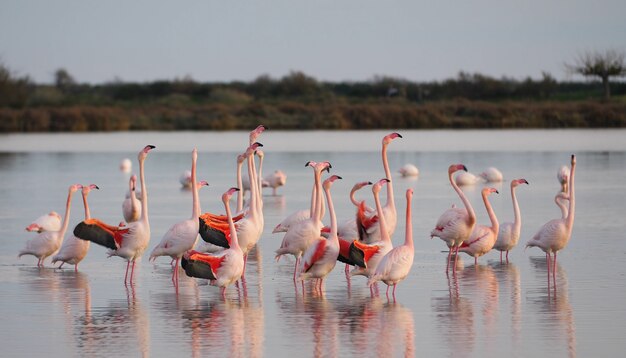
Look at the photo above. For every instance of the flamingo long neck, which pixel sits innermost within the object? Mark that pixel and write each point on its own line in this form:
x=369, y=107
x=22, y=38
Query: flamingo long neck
x=572, y=200
x=260, y=184
x=66, y=218
x=144, y=192
x=195, y=213
x=495, y=226
x=313, y=203
x=240, y=186
x=559, y=203
x=87, y=213
x=408, y=239
x=468, y=206
x=318, y=196
x=333, y=218
x=234, y=242
x=390, y=202
x=517, y=222
x=253, y=186
x=384, y=235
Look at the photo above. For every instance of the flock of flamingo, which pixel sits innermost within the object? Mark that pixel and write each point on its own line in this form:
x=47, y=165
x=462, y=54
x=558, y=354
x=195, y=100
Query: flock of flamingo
x=363, y=242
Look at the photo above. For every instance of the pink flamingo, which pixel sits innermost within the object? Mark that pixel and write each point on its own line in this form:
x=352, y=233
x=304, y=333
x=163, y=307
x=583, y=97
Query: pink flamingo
x=509, y=232
x=561, y=176
x=374, y=252
x=321, y=256
x=348, y=232
x=48, y=222
x=299, y=215
x=275, y=180
x=491, y=175
x=48, y=242
x=183, y=235
x=129, y=242
x=455, y=224
x=74, y=249
x=131, y=207
x=396, y=264
x=302, y=234
x=224, y=267
x=371, y=233
x=554, y=235
x=483, y=237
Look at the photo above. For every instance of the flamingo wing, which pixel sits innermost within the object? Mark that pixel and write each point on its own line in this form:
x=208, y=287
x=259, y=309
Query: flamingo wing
x=314, y=254
x=362, y=252
x=364, y=222
x=349, y=254
x=201, y=265
x=214, y=232
x=396, y=264
x=100, y=233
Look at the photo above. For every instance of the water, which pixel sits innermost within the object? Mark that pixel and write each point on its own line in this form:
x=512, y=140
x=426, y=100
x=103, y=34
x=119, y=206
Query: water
x=487, y=310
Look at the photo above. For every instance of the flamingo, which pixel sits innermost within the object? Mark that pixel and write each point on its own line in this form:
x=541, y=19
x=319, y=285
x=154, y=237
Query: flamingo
x=182, y=236
x=47, y=222
x=185, y=179
x=509, y=232
x=321, y=256
x=48, y=242
x=483, y=237
x=554, y=235
x=129, y=242
x=348, y=232
x=302, y=234
x=371, y=232
x=275, y=180
x=240, y=159
x=249, y=226
x=491, y=175
x=409, y=170
x=126, y=165
x=396, y=264
x=74, y=249
x=131, y=207
x=466, y=179
x=455, y=224
x=225, y=267
x=561, y=176
x=374, y=252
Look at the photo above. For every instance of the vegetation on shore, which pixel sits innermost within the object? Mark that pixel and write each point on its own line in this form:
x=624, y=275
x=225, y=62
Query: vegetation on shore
x=298, y=101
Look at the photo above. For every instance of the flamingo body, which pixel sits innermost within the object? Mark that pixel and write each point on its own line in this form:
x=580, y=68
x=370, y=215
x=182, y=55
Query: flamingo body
x=465, y=178
x=492, y=175
x=409, y=170
x=47, y=222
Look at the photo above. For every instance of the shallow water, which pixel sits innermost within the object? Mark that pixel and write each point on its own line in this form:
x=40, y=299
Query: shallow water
x=491, y=309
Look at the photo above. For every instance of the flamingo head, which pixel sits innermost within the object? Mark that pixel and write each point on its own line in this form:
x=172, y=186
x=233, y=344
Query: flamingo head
x=409, y=195
x=88, y=188
x=573, y=160
x=517, y=182
x=330, y=180
x=257, y=132
x=326, y=166
x=391, y=136
x=260, y=153
x=455, y=168
x=202, y=183
x=311, y=164
x=379, y=184
x=74, y=188
x=241, y=158
x=226, y=196
x=487, y=191
x=144, y=152
x=252, y=148
x=360, y=185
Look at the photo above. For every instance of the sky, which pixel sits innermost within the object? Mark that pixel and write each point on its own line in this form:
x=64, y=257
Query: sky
x=331, y=40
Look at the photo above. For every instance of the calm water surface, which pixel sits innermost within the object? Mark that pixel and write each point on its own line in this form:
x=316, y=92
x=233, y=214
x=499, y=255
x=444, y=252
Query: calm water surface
x=490, y=310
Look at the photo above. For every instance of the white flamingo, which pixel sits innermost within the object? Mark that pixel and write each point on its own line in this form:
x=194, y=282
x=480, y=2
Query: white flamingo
x=302, y=234
x=49, y=242
x=321, y=256
x=126, y=165
x=275, y=180
x=129, y=242
x=456, y=224
x=491, y=175
x=48, y=222
x=182, y=236
x=74, y=249
x=509, y=232
x=483, y=237
x=554, y=235
x=409, y=170
x=465, y=178
x=131, y=207
x=225, y=267
x=396, y=264
x=185, y=179
x=561, y=176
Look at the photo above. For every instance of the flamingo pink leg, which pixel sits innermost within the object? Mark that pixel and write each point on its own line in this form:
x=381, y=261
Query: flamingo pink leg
x=394, y=292
x=449, y=256
x=295, y=268
x=501, y=255
x=456, y=257
x=554, y=269
x=507, y=256
x=548, y=265
x=126, y=274
x=76, y=268
x=132, y=272
x=475, y=260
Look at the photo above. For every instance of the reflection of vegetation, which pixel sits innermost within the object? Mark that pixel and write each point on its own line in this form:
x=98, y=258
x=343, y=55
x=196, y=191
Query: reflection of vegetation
x=298, y=101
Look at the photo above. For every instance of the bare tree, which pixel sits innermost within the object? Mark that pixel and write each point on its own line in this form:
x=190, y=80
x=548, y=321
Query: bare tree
x=596, y=64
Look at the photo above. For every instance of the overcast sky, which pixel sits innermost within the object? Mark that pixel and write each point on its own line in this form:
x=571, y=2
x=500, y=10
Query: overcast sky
x=98, y=41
